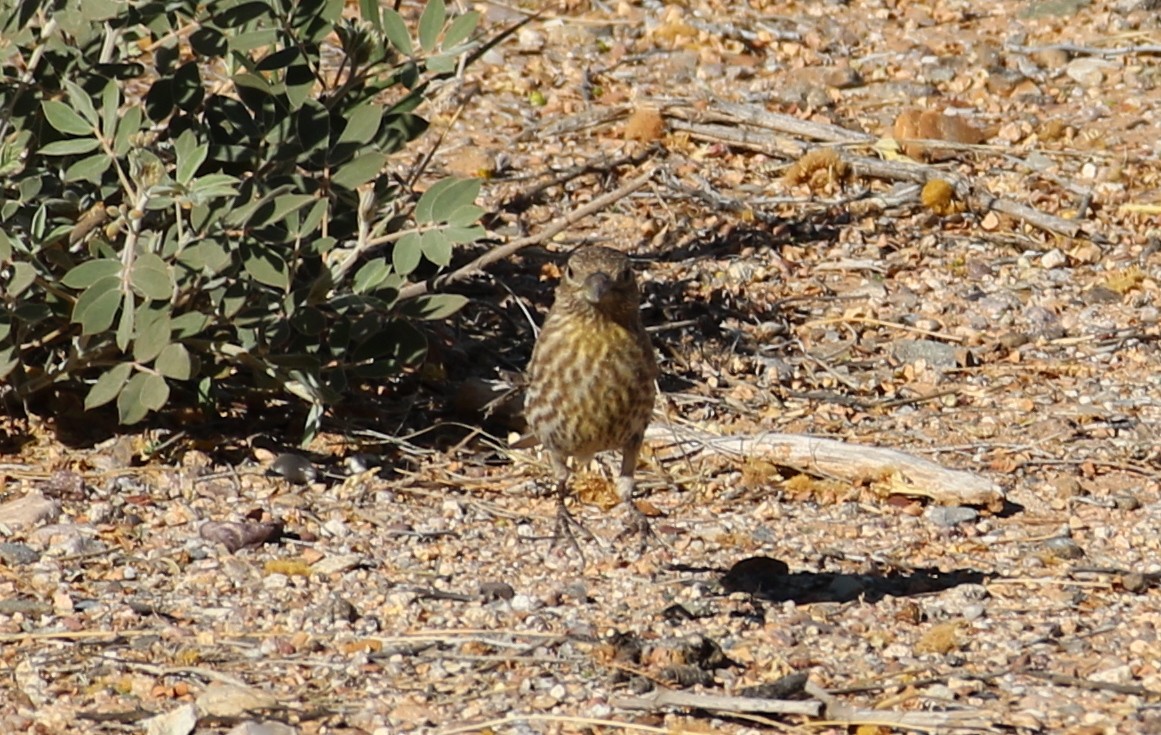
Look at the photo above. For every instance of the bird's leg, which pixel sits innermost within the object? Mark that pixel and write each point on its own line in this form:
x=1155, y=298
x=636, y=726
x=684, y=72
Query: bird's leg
x=566, y=525
x=636, y=524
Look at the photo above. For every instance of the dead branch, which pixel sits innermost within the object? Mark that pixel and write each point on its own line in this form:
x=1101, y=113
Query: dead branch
x=730, y=117
x=1093, y=684
x=1072, y=48
x=672, y=698
x=789, y=124
x=836, y=711
x=828, y=707
x=905, y=473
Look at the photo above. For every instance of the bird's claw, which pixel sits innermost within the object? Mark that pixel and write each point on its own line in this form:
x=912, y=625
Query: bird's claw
x=636, y=524
x=566, y=530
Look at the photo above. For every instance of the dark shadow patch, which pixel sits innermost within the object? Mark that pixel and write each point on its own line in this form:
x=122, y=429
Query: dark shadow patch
x=771, y=581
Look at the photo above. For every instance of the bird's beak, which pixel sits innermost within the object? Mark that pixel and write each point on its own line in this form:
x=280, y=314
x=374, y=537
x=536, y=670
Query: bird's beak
x=596, y=287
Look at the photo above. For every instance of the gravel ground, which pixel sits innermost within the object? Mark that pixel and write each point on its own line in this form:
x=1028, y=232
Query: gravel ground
x=405, y=581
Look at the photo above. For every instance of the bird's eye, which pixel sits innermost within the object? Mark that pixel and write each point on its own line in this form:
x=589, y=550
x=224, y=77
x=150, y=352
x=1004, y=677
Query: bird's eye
x=568, y=273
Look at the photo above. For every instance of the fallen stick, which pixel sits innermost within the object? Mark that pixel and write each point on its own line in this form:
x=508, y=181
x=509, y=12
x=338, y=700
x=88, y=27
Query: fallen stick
x=750, y=127
x=673, y=698
x=829, y=708
x=905, y=474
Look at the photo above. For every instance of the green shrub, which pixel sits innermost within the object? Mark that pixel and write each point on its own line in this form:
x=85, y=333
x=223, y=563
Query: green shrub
x=192, y=194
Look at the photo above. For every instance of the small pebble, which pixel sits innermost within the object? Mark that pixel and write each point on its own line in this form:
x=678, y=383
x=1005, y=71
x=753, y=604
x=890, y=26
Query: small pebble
x=1135, y=582
x=452, y=509
x=1063, y=548
x=1088, y=71
x=357, y=463
x=949, y=516
x=338, y=563
x=342, y=609
x=1067, y=486
x=28, y=608
x=936, y=354
x=1126, y=502
x=295, y=468
x=940, y=691
x=335, y=528
x=1053, y=259
x=29, y=510
x=576, y=591
x=496, y=591
x=14, y=555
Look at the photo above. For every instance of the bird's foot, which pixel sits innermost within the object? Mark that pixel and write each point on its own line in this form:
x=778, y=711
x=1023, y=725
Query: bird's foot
x=566, y=531
x=636, y=524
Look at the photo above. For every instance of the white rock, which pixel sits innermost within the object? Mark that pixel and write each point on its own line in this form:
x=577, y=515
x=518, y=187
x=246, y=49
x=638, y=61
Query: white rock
x=1088, y=71
x=1053, y=259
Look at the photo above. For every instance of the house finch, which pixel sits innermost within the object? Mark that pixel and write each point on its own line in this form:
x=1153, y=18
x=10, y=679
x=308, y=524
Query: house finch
x=591, y=377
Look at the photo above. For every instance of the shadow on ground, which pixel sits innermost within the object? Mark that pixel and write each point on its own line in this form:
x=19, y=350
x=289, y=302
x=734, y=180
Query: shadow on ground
x=770, y=580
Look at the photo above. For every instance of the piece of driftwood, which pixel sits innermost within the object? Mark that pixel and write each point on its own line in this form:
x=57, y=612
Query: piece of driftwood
x=905, y=473
x=823, y=706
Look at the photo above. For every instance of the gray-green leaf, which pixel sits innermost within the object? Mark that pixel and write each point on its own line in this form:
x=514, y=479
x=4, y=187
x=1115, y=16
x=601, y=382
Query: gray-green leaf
x=127, y=323
x=88, y=169
x=70, y=147
x=174, y=362
x=267, y=267
x=360, y=170
x=460, y=29
x=435, y=306
x=362, y=123
x=406, y=254
x=23, y=276
x=82, y=103
x=151, y=278
x=431, y=23
x=465, y=215
x=96, y=307
x=190, y=156
x=63, y=118
x=108, y=386
x=87, y=273
x=460, y=193
x=370, y=276
x=436, y=247
x=396, y=31
x=143, y=393
x=152, y=339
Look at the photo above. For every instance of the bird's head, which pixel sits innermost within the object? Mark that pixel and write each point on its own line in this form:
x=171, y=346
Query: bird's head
x=600, y=278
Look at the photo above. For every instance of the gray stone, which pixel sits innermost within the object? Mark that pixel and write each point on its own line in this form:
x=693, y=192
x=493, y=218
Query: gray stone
x=942, y=515
x=15, y=555
x=935, y=354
